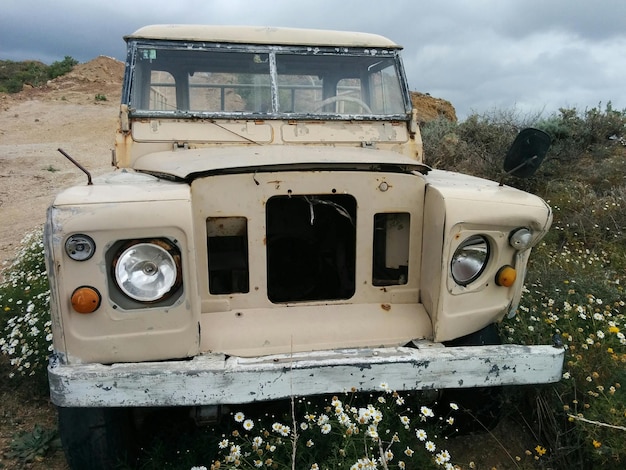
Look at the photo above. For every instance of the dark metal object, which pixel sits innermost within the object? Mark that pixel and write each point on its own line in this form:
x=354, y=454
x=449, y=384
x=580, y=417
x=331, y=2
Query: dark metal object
x=82, y=168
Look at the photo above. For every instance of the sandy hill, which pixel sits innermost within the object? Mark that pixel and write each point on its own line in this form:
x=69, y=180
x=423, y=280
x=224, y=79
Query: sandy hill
x=100, y=76
x=429, y=108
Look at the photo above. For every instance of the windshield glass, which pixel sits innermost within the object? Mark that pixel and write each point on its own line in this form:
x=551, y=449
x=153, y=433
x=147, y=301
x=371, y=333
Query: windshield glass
x=271, y=81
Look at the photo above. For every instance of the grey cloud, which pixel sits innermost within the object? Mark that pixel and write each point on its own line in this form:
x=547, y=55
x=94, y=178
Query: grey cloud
x=530, y=54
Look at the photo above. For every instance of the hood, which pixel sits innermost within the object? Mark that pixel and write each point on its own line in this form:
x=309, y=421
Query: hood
x=188, y=164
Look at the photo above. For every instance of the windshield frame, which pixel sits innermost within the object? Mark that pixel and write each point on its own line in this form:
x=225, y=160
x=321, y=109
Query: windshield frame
x=275, y=55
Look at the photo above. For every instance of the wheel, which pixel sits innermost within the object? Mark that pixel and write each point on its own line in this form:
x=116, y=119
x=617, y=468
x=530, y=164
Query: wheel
x=480, y=408
x=96, y=438
x=348, y=99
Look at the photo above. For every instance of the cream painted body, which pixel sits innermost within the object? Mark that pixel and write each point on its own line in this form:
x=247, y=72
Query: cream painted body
x=232, y=194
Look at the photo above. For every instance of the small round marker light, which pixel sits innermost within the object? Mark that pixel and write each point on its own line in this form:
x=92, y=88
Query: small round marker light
x=80, y=247
x=86, y=299
x=506, y=276
x=521, y=238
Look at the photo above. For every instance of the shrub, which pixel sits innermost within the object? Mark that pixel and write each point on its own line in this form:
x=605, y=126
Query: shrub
x=573, y=293
x=476, y=146
x=13, y=75
x=58, y=68
x=25, y=325
x=574, y=286
x=586, y=146
x=355, y=431
x=576, y=132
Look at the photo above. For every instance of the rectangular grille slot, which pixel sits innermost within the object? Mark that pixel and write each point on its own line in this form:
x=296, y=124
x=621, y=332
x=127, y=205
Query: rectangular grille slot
x=310, y=247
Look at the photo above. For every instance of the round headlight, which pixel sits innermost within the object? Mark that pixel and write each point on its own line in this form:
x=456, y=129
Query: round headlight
x=80, y=247
x=147, y=272
x=469, y=260
x=521, y=238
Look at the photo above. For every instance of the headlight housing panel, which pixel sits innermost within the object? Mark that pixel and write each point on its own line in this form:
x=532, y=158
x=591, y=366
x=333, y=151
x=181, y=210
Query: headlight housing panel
x=145, y=272
x=470, y=259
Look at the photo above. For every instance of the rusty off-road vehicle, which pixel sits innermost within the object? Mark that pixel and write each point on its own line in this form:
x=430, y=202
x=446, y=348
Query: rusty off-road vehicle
x=271, y=230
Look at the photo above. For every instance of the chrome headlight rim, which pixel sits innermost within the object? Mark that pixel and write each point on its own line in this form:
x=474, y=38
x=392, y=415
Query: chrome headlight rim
x=147, y=271
x=470, y=259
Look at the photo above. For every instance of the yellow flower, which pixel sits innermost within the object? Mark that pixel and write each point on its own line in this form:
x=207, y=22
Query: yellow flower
x=613, y=329
x=597, y=444
x=540, y=450
x=610, y=350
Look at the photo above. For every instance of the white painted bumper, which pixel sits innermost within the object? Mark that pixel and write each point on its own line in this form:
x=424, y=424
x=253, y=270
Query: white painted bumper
x=213, y=379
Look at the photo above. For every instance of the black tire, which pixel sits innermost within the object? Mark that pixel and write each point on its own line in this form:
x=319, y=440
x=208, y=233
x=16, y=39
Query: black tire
x=480, y=407
x=96, y=438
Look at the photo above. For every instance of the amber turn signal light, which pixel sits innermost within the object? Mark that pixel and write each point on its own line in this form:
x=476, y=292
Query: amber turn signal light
x=86, y=299
x=506, y=276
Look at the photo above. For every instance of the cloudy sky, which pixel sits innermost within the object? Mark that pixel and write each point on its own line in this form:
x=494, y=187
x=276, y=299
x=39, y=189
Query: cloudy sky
x=530, y=56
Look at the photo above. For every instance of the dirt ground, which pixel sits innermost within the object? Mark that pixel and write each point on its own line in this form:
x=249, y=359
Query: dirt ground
x=66, y=114
x=33, y=125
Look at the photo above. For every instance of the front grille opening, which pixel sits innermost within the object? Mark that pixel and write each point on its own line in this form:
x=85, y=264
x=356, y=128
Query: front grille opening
x=391, y=249
x=227, y=243
x=310, y=247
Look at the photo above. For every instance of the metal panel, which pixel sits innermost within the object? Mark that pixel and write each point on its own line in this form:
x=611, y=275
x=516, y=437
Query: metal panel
x=217, y=379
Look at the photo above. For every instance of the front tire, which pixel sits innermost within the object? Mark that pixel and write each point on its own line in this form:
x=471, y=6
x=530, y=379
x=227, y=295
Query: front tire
x=481, y=406
x=96, y=438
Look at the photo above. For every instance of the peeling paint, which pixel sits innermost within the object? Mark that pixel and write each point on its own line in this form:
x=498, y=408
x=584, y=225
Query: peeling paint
x=215, y=379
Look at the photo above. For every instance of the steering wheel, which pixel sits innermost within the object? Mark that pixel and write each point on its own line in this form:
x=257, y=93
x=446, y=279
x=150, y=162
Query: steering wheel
x=349, y=99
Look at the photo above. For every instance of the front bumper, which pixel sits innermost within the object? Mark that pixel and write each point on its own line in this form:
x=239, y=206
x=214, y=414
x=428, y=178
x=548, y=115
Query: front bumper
x=214, y=379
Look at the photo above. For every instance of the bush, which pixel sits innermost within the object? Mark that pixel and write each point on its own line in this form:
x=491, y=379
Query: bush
x=62, y=67
x=577, y=132
x=385, y=430
x=574, y=293
x=25, y=325
x=586, y=146
x=476, y=146
x=574, y=286
x=13, y=75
